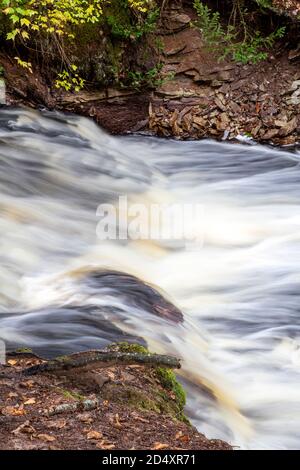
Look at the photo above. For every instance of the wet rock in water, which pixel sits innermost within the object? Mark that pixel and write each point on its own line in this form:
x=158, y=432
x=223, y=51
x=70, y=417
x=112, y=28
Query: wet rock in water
x=61, y=330
x=136, y=293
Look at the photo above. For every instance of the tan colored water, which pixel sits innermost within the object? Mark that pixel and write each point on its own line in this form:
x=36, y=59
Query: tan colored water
x=237, y=286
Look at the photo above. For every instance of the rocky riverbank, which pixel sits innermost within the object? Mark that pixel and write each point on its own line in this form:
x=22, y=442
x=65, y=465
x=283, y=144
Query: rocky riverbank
x=120, y=407
x=201, y=96
x=225, y=100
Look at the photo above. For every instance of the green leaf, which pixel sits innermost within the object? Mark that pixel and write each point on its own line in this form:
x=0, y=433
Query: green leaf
x=25, y=22
x=12, y=34
x=14, y=18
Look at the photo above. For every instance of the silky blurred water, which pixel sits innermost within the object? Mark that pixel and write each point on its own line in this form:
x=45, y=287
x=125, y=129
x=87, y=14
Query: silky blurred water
x=237, y=285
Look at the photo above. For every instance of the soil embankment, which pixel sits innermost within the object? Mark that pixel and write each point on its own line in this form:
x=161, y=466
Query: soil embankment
x=119, y=407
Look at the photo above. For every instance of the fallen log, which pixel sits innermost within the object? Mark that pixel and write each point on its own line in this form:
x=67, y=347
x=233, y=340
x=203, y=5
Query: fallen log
x=95, y=359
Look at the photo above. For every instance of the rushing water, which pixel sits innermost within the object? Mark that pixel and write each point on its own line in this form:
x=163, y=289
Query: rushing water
x=238, y=285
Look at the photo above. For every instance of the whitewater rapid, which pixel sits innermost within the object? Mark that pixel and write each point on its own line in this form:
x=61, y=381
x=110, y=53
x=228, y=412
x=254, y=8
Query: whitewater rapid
x=237, y=284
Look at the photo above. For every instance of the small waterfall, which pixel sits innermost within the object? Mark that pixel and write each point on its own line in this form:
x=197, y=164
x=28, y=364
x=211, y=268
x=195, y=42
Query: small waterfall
x=227, y=302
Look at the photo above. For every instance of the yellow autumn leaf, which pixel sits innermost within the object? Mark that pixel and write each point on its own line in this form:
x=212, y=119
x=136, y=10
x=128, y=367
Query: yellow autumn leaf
x=12, y=362
x=13, y=411
x=30, y=401
x=24, y=35
x=94, y=435
x=25, y=22
x=46, y=437
x=159, y=446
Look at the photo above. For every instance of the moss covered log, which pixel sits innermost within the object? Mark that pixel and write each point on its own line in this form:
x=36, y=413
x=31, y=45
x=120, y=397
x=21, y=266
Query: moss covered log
x=95, y=359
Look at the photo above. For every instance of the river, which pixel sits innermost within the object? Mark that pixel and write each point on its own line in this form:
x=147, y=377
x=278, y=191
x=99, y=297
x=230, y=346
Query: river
x=237, y=282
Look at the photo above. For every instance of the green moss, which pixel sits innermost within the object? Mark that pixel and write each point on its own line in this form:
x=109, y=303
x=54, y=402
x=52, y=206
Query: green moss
x=126, y=25
x=22, y=350
x=164, y=394
x=62, y=359
x=264, y=3
x=87, y=33
x=171, y=407
x=72, y=395
x=168, y=380
x=153, y=399
x=131, y=397
x=128, y=348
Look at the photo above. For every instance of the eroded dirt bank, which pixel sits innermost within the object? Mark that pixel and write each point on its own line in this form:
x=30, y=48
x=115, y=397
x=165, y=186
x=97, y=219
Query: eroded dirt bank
x=223, y=100
x=204, y=97
x=120, y=407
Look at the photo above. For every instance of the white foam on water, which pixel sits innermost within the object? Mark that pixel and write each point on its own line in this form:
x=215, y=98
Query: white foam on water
x=238, y=288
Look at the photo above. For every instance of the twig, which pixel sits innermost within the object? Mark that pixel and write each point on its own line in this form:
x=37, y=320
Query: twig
x=85, y=405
